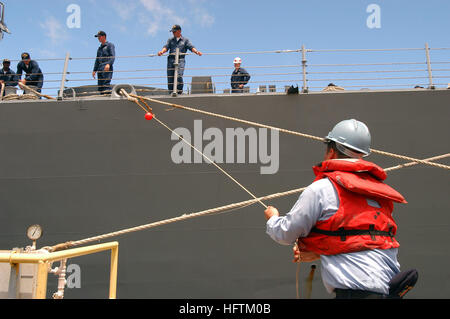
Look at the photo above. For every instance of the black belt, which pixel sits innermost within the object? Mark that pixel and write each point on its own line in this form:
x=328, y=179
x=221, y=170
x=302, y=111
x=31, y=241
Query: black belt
x=357, y=294
x=172, y=58
x=399, y=285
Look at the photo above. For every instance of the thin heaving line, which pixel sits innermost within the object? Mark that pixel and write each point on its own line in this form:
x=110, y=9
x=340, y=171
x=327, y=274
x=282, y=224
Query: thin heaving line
x=134, y=99
x=403, y=157
x=209, y=211
x=209, y=160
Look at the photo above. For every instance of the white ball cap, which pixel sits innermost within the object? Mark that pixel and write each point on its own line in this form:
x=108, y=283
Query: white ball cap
x=237, y=60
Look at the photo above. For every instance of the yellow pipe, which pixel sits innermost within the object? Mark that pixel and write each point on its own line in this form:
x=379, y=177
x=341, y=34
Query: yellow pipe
x=113, y=272
x=43, y=261
x=69, y=253
x=41, y=284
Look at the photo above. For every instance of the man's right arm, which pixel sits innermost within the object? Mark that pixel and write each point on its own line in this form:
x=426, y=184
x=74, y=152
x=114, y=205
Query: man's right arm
x=165, y=48
x=97, y=62
x=298, y=222
x=13, y=79
x=96, y=65
x=19, y=70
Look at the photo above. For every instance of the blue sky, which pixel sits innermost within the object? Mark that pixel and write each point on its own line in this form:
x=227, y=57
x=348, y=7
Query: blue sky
x=140, y=27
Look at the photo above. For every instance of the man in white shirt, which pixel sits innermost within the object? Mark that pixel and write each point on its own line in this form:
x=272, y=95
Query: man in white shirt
x=345, y=218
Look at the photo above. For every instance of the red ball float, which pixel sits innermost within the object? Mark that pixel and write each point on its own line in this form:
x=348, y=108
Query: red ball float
x=148, y=116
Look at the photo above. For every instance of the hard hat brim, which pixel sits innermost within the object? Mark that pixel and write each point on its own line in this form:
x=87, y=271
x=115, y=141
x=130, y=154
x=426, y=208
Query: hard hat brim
x=350, y=147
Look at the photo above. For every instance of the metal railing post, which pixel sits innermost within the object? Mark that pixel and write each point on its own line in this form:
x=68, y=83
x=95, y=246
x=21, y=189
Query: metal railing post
x=305, y=88
x=175, y=74
x=430, y=76
x=63, y=78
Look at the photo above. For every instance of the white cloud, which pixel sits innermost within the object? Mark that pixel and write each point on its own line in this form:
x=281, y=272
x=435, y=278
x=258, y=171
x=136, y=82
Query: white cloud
x=156, y=16
x=48, y=53
x=150, y=25
x=54, y=30
x=125, y=10
x=201, y=15
x=203, y=18
x=162, y=16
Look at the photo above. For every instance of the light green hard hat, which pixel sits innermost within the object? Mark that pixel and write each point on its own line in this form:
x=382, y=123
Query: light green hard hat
x=351, y=134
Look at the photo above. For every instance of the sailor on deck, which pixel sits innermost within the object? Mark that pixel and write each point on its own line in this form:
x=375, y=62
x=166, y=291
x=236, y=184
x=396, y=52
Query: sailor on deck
x=183, y=44
x=239, y=77
x=345, y=218
x=104, y=63
x=7, y=76
x=33, y=73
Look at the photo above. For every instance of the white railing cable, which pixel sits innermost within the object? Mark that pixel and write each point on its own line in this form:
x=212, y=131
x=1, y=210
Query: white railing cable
x=304, y=73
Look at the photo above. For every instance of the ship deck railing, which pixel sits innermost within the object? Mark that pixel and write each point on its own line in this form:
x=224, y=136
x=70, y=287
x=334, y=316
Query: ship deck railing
x=271, y=71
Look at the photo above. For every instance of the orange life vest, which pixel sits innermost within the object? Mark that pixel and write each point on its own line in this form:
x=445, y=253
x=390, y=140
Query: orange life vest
x=357, y=225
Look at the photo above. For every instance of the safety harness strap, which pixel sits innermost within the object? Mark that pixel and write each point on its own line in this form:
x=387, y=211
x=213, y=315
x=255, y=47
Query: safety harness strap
x=343, y=233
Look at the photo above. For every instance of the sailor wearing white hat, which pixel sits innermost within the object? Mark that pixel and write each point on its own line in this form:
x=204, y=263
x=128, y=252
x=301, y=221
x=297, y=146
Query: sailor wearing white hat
x=239, y=77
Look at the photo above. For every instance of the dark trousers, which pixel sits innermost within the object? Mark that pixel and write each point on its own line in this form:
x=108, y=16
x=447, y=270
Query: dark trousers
x=171, y=75
x=104, y=80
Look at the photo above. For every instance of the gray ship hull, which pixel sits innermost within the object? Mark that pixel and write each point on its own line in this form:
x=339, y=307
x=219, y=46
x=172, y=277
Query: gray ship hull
x=87, y=167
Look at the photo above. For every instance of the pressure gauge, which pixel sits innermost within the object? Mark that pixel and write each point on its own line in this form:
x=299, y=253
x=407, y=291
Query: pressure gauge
x=34, y=232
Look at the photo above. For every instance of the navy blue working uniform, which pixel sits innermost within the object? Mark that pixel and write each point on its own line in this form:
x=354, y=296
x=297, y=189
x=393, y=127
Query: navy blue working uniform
x=105, y=55
x=8, y=77
x=172, y=44
x=33, y=74
x=239, y=76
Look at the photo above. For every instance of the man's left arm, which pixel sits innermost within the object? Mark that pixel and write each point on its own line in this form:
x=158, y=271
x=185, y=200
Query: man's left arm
x=35, y=72
x=190, y=46
x=196, y=51
x=246, y=77
x=112, y=54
